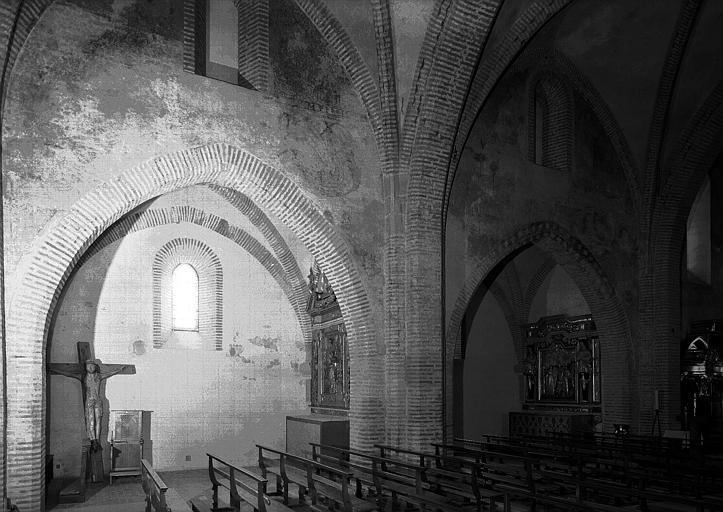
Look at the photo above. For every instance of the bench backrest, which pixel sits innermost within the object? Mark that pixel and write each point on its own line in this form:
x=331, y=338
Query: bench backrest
x=316, y=473
x=379, y=469
x=224, y=474
x=154, y=488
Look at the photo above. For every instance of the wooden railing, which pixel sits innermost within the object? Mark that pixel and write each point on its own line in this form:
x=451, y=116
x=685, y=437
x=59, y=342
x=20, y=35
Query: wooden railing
x=223, y=474
x=154, y=488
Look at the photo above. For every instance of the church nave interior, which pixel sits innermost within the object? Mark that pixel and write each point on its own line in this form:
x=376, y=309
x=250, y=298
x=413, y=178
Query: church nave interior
x=361, y=255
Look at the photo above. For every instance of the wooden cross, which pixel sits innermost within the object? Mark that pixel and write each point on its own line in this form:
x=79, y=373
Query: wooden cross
x=91, y=372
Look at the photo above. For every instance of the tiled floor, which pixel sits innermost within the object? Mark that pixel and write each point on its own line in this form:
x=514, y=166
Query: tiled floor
x=126, y=494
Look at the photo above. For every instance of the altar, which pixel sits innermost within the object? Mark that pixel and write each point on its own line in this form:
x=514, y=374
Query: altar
x=329, y=383
x=541, y=423
x=561, y=376
x=315, y=428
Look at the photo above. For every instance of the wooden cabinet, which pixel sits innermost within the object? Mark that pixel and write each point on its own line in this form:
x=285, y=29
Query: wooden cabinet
x=129, y=437
x=316, y=428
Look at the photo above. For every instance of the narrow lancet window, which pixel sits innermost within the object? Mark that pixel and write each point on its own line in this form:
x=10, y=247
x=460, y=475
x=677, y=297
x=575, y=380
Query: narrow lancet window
x=185, y=298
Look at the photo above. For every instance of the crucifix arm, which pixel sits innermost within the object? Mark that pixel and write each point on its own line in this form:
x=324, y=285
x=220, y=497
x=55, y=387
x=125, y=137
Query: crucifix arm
x=72, y=370
x=108, y=370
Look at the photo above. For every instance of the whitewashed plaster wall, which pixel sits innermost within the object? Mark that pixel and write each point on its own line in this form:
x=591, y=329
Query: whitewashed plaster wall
x=202, y=400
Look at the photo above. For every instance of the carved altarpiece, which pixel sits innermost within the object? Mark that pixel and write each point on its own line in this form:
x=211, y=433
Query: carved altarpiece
x=561, y=374
x=562, y=363
x=329, y=351
x=701, y=381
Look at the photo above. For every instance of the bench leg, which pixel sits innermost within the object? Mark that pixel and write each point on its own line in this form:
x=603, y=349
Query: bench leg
x=285, y=491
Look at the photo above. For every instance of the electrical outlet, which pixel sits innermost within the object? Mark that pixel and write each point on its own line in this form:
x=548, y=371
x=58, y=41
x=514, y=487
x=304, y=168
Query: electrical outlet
x=188, y=458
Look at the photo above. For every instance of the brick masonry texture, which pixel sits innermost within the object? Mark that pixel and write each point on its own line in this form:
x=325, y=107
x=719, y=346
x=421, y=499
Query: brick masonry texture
x=64, y=242
x=210, y=290
x=570, y=253
x=175, y=215
x=429, y=130
x=615, y=224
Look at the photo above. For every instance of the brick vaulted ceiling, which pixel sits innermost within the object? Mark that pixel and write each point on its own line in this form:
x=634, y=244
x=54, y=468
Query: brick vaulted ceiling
x=423, y=70
x=611, y=43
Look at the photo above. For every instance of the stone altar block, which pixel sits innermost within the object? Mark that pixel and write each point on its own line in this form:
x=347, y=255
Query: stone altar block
x=539, y=423
x=317, y=428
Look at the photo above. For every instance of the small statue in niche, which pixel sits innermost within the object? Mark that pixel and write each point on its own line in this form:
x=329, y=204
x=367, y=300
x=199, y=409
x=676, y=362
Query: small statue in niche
x=332, y=366
x=529, y=366
x=584, y=386
x=569, y=385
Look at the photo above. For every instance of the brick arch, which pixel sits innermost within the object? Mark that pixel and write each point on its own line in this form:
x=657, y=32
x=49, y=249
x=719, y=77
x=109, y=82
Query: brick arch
x=615, y=335
x=509, y=299
x=558, y=106
x=279, y=247
x=699, y=144
x=545, y=60
x=491, y=68
x=349, y=57
x=17, y=20
x=454, y=392
x=454, y=41
x=210, y=290
x=534, y=286
x=155, y=217
x=57, y=250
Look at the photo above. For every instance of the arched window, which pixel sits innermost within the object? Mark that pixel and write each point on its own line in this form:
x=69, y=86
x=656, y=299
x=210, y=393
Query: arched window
x=185, y=298
x=550, y=117
x=187, y=294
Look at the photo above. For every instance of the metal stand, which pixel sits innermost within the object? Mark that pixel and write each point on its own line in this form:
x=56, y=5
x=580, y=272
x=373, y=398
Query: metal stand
x=656, y=423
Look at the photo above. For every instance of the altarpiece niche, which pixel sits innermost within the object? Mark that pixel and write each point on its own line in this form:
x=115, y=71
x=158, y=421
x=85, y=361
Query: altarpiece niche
x=561, y=374
x=562, y=362
x=329, y=357
x=701, y=382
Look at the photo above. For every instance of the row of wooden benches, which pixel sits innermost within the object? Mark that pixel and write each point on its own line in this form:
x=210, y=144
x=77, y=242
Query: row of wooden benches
x=635, y=464
x=617, y=478
x=450, y=477
x=357, y=481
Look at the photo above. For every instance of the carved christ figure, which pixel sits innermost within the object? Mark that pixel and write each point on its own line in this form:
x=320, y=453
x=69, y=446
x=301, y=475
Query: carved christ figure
x=94, y=375
x=91, y=375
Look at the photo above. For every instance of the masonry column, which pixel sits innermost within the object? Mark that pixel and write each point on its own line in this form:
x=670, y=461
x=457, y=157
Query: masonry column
x=427, y=148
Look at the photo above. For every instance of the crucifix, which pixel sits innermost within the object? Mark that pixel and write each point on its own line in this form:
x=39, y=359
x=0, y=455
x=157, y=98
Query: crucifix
x=91, y=372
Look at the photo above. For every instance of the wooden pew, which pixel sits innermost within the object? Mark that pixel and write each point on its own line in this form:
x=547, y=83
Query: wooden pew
x=638, y=461
x=159, y=497
x=619, y=474
x=451, y=476
x=600, y=495
x=223, y=474
x=390, y=479
x=313, y=478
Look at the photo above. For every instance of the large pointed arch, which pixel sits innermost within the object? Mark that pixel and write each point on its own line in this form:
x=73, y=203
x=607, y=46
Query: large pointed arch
x=58, y=249
x=606, y=308
x=154, y=217
x=694, y=152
